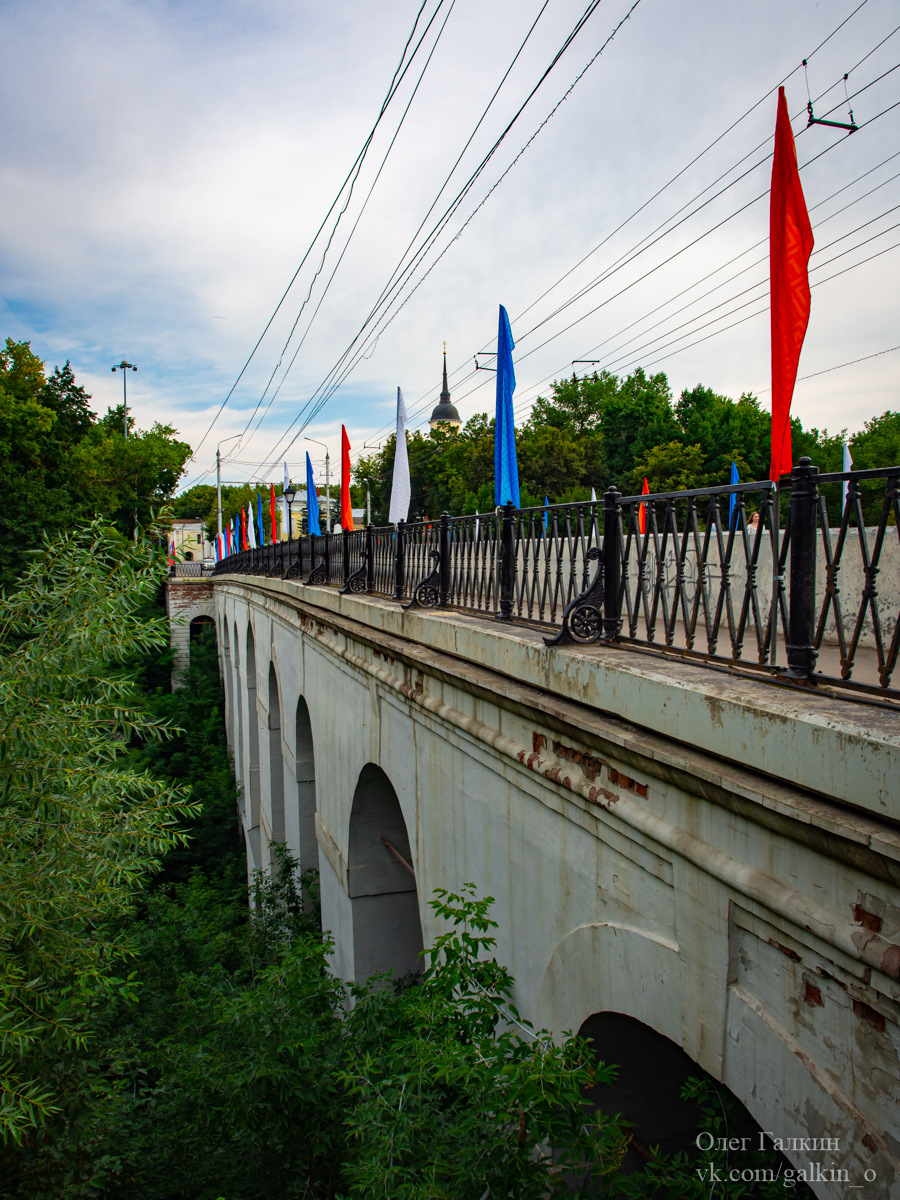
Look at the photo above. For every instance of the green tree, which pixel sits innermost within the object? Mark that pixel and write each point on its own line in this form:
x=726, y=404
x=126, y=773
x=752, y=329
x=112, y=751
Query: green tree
x=673, y=467
x=452, y=1101
x=81, y=829
x=62, y=466
x=726, y=431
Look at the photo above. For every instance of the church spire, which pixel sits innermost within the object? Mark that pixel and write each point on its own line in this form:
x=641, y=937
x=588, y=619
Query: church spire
x=444, y=412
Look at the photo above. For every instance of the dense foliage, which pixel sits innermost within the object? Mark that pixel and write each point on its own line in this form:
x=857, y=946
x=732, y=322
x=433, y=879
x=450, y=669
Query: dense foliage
x=81, y=826
x=62, y=465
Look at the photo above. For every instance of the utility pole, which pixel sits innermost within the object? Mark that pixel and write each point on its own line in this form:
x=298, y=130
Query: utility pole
x=327, y=484
x=219, y=479
x=124, y=367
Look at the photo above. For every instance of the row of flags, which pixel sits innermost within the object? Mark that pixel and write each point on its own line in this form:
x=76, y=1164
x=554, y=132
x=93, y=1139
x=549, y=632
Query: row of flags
x=790, y=246
x=247, y=531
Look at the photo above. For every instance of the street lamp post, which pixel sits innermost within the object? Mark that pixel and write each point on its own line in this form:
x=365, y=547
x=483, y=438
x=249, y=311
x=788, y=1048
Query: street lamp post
x=289, y=493
x=327, y=484
x=124, y=367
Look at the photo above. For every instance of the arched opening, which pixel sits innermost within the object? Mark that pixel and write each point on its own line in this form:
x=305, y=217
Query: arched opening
x=647, y=1089
x=387, y=932
x=305, y=771
x=237, y=711
x=276, y=761
x=188, y=557
x=197, y=626
x=252, y=782
x=225, y=644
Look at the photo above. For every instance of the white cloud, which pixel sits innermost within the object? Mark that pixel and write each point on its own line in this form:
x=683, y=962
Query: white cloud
x=166, y=164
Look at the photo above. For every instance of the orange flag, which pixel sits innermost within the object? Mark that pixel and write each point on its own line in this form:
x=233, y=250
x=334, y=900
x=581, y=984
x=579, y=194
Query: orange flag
x=790, y=245
x=346, y=514
x=642, y=511
x=272, y=512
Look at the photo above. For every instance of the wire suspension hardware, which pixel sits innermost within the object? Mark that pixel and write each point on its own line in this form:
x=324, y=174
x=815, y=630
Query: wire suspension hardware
x=850, y=126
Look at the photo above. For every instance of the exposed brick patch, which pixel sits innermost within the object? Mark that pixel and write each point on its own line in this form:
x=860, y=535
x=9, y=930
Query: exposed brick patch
x=786, y=950
x=870, y=1015
x=812, y=995
x=599, y=794
x=868, y=920
x=590, y=766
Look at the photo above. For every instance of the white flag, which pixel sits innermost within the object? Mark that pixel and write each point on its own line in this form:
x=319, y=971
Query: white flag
x=400, y=488
x=848, y=466
x=251, y=528
x=593, y=496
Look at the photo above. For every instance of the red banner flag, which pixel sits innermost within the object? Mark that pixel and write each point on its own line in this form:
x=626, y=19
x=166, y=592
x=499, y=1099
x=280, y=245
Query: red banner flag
x=346, y=514
x=245, y=545
x=790, y=245
x=642, y=511
x=272, y=512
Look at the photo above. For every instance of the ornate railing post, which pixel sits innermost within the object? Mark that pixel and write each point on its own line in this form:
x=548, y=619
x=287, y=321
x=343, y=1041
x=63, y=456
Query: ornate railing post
x=507, y=564
x=801, y=652
x=370, y=558
x=612, y=564
x=400, y=561
x=444, y=548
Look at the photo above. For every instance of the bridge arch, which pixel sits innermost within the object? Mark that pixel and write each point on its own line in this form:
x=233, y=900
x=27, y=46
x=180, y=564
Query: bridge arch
x=384, y=902
x=647, y=1088
x=254, y=847
x=305, y=775
x=237, y=732
x=275, y=831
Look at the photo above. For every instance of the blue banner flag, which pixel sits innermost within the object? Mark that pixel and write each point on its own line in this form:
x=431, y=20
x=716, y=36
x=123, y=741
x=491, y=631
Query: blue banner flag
x=506, y=470
x=312, y=501
x=259, y=521
x=546, y=512
x=732, y=499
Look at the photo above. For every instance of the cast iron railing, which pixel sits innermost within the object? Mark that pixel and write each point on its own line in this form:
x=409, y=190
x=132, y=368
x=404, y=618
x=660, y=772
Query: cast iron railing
x=751, y=574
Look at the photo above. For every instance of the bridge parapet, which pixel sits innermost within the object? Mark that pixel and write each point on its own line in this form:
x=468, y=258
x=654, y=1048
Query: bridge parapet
x=750, y=573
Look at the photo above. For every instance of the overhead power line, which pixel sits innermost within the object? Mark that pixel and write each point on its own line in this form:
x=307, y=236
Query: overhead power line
x=416, y=410
x=401, y=273
x=394, y=84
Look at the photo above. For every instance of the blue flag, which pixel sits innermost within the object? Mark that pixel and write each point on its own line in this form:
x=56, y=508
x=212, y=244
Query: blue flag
x=546, y=512
x=506, y=470
x=312, y=502
x=259, y=521
x=732, y=499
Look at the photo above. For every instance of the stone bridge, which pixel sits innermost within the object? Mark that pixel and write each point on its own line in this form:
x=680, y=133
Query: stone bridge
x=705, y=857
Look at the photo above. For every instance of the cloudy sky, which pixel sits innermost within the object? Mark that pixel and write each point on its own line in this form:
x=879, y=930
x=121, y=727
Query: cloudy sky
x=166, y=166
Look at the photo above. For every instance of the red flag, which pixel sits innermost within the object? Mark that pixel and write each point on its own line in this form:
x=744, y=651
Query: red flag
x=642, y=511
x=272, y=511
x=244, y=543
x=346, y=514
x=790, y=245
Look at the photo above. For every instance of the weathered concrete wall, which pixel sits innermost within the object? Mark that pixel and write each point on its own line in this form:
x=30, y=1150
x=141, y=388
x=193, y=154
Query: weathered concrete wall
x=715, y=856
x=185, y=600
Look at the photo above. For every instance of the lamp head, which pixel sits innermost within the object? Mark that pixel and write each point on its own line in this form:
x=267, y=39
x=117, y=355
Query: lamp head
x=289, y=493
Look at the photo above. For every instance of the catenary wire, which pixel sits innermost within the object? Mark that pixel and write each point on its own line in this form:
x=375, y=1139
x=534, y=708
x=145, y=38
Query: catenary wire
x=362, y=153
x=445, y=217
